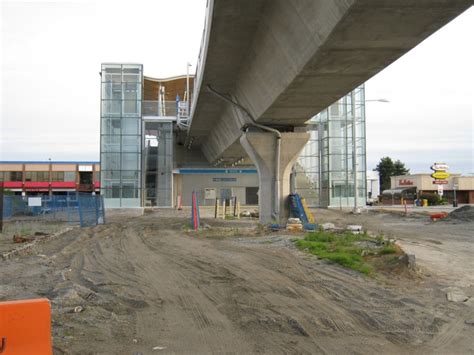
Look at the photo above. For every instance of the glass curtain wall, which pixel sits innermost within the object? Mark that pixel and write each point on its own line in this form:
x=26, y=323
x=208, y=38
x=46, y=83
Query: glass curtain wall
x=158, y=163
x=120, y=148
x=327, y=159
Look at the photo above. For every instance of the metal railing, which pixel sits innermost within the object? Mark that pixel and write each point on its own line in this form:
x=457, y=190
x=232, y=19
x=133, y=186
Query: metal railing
x=160, y=108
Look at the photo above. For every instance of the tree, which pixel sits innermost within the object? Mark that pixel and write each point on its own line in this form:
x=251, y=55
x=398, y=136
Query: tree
x=386, y=168
x=400, y=168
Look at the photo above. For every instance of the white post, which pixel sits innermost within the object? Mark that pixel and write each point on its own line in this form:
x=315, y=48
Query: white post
x=187, y=89
x=354, y=153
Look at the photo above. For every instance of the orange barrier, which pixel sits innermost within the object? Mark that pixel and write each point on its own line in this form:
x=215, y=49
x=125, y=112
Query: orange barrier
x=25, y=327
x=436, y=216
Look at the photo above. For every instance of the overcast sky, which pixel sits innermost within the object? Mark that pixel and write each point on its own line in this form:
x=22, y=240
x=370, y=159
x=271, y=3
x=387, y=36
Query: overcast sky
x=52, y=51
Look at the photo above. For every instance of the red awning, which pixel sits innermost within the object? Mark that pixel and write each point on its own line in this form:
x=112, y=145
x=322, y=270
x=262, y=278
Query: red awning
x=36, y=185
x=63, y=185
x=12, y=184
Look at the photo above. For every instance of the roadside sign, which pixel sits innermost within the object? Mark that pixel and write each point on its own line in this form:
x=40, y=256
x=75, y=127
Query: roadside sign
x=439, y=166
x=440, y=175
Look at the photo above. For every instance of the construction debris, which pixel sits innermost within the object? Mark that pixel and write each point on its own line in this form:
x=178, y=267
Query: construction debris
x=455, y=294
x=355, y=229
x=20, y=239
x=294, y=221
x=328, y=226
x=409, y=260
x=294, y=227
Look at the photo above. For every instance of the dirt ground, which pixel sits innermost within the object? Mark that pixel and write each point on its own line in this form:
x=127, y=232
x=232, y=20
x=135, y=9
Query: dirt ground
x=147, y=286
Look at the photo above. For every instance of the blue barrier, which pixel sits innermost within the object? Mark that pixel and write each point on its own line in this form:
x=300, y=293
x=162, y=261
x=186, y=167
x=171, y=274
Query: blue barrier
x=83, y=208
x=296, y=208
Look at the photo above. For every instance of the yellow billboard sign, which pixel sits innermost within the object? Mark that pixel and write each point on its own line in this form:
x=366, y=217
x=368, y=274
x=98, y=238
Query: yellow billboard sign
x=440, y=175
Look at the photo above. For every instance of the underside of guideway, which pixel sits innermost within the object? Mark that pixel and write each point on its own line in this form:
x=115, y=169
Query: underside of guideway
x=277, y=63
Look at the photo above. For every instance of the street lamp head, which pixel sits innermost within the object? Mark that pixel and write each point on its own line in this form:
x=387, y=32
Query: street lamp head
x=378, y=100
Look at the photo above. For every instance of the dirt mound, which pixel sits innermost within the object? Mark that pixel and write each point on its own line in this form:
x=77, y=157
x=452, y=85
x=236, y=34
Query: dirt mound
x=462, y=214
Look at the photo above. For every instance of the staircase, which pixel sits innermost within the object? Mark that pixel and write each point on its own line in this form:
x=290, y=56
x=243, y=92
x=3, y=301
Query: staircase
x=306, y=188
x=182, y=115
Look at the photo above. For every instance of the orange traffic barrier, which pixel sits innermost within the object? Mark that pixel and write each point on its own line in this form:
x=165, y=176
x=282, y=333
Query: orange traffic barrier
x=25, y=327
x=436, y=216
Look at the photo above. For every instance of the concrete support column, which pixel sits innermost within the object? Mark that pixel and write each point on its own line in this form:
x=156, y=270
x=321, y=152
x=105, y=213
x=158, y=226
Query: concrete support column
x=262, y=149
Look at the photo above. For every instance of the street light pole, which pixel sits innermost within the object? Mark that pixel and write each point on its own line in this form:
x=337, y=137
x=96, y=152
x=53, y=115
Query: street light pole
x=455, y=201
x=187, y=88
x=356, y=208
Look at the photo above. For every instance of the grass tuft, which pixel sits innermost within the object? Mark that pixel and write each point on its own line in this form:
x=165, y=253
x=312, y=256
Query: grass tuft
x=345, y=249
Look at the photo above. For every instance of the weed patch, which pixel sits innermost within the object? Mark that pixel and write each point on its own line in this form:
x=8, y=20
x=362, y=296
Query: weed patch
x=353, y=251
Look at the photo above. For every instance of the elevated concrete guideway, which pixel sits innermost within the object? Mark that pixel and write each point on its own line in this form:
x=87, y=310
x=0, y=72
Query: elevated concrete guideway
x=277, y=63
x=286, y=60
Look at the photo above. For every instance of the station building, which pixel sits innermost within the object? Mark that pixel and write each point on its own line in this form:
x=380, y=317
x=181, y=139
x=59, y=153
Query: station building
x=144, y=160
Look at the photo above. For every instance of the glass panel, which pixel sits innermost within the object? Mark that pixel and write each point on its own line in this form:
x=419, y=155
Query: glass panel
x=110, y=107
x=111, y=91
x=111, y=73
x=131, y=91
x=131, y=78
x=111, y=126
x=131, y=126
x=110, y=144
x=131, y=108
x=111, y=175
x=131, y=178
x=130, y=161
x=110, y=161
x=131, y=144
x=129, y=192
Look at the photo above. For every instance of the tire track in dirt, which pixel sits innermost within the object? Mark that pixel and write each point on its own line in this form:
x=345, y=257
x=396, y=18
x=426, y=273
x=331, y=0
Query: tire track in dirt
x=270, y=317
x=182, y=304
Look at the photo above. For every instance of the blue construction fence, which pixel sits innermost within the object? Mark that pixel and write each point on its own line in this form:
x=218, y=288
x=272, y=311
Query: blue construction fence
x=76, y=208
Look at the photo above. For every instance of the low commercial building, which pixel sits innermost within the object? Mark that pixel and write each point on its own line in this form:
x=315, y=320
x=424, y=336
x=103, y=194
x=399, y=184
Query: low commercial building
x=50, y=177
x=410, y=187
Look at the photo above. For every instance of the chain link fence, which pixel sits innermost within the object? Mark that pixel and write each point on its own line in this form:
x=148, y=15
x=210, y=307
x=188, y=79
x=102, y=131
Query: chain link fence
x=75, y=208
